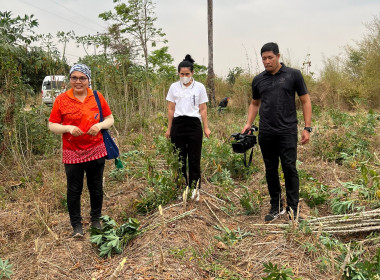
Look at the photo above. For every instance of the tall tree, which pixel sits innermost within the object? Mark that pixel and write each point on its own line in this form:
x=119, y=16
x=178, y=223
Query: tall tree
x=136, y=19
x=65, y=37
x=211, y=74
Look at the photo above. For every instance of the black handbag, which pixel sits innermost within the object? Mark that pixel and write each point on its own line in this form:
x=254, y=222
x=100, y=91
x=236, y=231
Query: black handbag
x=112, y=149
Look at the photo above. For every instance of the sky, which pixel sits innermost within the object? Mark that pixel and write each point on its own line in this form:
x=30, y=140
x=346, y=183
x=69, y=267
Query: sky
x=305, y=30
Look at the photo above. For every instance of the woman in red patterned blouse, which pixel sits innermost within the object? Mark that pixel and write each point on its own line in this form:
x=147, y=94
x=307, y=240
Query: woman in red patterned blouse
x=75, y=115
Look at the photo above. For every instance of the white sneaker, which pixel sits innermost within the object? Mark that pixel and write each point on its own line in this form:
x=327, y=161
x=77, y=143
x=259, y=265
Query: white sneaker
x=195, y=195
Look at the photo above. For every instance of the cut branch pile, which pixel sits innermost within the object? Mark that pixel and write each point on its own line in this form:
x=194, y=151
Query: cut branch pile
x=349, y=223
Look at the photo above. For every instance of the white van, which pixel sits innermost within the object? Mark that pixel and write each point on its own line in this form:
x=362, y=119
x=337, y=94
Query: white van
x=52, y=86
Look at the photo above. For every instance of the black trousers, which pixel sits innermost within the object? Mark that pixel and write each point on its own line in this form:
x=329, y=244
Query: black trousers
x=75, y=175
x=186, y=134
x=284, y=148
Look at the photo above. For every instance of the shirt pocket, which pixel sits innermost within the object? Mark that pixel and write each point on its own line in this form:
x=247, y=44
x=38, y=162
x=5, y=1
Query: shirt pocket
x=72, y=115
x=195, y=99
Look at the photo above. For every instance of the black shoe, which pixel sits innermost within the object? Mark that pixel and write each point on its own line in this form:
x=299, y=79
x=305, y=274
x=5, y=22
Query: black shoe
x=274, y=213
x=78, y=231
x=96, y=224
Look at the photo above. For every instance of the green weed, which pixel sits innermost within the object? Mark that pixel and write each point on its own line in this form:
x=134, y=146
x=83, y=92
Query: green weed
x=314, y=194
x=277, y=273
x=251, y=201
x=363, y=270
x=230, y=237
x=5, y=269
x=112, y=238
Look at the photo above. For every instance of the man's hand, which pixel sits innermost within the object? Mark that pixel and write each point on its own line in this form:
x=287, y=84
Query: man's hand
x=305, y=137
x=246, y=129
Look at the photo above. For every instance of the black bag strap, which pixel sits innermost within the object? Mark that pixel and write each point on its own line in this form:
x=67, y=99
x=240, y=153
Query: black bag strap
x=99, y=105
x=250, y=158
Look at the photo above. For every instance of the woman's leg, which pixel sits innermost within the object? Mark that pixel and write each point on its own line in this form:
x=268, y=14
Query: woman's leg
x=74, y=175
x=94, y=173
x=194, y=152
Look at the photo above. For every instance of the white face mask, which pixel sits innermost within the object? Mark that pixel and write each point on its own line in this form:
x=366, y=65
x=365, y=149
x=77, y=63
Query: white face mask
x=185, y=80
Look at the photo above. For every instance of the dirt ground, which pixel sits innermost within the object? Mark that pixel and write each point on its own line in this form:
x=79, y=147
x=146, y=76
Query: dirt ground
x=35, y=234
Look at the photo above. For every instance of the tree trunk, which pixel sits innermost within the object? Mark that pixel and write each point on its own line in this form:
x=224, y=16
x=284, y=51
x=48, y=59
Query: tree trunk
x=210, y=74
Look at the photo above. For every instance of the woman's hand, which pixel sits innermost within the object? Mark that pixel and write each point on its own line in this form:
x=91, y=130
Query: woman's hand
x=94, y=130
x=167, y=133
x=207, y=132
x=75, y=131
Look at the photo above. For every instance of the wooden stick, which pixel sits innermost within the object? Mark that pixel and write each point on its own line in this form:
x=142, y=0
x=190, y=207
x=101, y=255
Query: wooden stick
x=215, y=215
x=212, y=196
x=366, y=229
x=117, y=271
x=360, y=214
x=351, y=226
x=340, y=220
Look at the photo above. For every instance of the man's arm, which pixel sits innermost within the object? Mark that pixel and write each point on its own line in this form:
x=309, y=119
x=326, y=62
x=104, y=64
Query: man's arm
x=253, y=110
x=306, y=109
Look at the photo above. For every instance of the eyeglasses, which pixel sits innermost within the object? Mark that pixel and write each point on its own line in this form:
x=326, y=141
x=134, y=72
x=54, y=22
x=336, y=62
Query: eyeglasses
x=81, y=79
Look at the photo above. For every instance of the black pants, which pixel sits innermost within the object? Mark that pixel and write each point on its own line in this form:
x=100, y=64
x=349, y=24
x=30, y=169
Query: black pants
x=75, y=174
x=186, y=134
x=284, y=148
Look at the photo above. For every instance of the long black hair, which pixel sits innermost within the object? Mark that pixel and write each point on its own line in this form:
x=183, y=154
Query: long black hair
x=187, y=62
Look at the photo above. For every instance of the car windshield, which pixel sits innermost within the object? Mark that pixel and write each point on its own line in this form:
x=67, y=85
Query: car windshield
x=54, y=84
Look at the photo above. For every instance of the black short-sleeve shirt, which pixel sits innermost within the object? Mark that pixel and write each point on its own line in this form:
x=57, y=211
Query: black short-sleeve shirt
x=277, y=111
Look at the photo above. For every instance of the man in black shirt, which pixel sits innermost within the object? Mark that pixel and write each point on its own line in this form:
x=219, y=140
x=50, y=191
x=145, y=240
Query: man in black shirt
x=273, y=97
x=223, y=103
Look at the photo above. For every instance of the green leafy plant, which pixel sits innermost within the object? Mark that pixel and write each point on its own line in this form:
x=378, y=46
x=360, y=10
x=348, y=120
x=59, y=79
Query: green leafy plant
x=365, y=270
x=230, y=237
x=276, y=273
x=112, y=238
x=251, y=201
x=5, y=269
x=162, y=182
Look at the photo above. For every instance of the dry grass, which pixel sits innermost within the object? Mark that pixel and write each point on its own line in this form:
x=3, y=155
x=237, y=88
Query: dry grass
x=35, y=229
x=188, y=245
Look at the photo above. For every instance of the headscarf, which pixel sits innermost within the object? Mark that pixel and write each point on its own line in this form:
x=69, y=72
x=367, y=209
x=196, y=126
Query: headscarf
x=83, y=69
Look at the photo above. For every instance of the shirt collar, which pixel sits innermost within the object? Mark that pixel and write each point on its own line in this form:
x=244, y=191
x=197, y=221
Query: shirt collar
x=70, y=93
x=282, y=69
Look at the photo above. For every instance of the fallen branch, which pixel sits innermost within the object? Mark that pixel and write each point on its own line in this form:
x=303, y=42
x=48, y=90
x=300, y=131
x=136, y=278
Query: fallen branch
x=372, y=213
x=212, y=196
x=365, y=229
x=351, y=226
x=223, y=226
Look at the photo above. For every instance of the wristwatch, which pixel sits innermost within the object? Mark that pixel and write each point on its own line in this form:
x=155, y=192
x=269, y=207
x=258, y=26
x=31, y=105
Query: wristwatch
x=308, y=128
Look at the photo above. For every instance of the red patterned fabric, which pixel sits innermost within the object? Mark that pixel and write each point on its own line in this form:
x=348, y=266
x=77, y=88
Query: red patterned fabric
x=68, y=110
x=79, y=156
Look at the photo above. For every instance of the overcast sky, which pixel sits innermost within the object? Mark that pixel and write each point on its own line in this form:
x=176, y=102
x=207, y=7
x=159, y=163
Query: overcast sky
x=320, y=28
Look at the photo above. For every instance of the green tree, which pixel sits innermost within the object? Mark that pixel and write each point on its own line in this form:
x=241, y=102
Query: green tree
x=136, y=20
x=65, y=37
x=14, y=32
x=161, y=62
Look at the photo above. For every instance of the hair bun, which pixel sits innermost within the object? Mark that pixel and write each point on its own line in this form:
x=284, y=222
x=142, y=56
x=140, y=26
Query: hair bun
x=189, y=58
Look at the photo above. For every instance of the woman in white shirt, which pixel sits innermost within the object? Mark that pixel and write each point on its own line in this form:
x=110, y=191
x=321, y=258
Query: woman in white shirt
x=187, y=108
